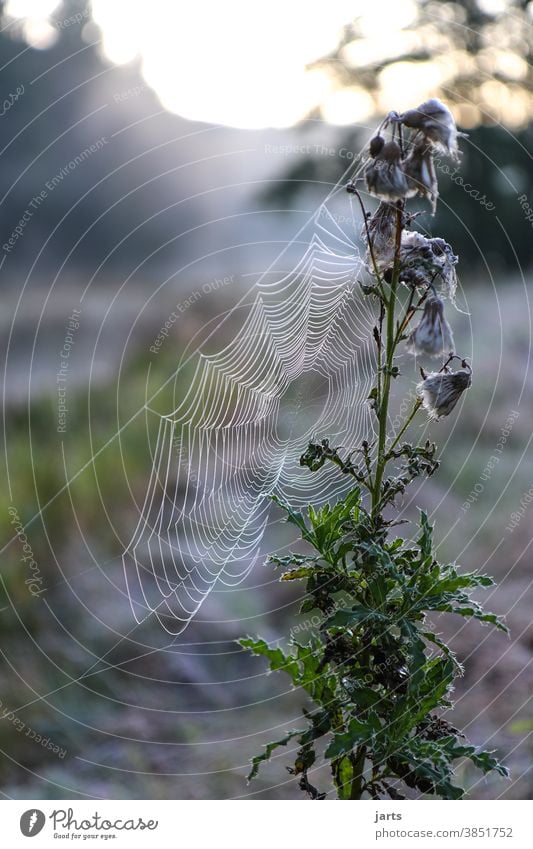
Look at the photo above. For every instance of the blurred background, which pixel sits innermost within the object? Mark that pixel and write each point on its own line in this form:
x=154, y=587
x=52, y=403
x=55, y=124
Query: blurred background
x=159, y=158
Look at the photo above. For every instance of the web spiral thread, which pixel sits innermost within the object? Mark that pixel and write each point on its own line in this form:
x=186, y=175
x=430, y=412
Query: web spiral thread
x=300, y=368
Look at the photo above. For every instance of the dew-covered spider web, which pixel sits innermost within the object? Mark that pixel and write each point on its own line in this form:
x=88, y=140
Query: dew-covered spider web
x=299, y=368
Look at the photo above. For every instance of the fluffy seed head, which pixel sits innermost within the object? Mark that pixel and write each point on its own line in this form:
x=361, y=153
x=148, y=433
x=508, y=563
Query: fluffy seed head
x=382, y=235
x=440, y=391
x=433, y=335
x=428, y=261
x=384, y=175
x=446, y=261
x=419, y=170
x=435, y=121
x=376, y=146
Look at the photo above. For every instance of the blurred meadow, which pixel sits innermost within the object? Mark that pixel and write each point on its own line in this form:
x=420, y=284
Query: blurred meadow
x=156, y=161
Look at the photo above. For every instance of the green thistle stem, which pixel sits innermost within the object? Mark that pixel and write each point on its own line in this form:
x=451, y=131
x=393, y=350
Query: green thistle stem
x=407, y=422
x=384, y=394
x=358, y=782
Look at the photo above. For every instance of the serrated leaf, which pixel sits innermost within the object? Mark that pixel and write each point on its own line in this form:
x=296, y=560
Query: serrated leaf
x=483, y=760
x=297, y=574
x=291, y=560
x=320, y=725
x=277, y=659
x=267, y=754
x=477, y=613
x=362, y=697
x=308, y=605
x=452, y=582
x=294, y=518
x=342, y=744
x=433, y=638
x=356, y=615
x=320, y=685
x=417, y=650
x=328, y=522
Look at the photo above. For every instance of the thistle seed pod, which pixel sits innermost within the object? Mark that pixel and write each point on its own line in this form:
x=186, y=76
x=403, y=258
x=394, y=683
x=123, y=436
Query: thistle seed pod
x=376, y=146
x=416, y=258
x=426, y=262
x=382, y=235
x=384, y=175
x=415, y=242
x=433, y=335
x=440, y=391
x=445, y=260
x=419, y=170
x=435, y=121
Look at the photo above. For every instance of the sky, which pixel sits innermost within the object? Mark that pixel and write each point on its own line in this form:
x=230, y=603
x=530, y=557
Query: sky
x=245, y=64
x=237, y=63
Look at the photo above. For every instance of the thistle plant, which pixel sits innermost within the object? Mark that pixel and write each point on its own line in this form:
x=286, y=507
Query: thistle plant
x=378, y=676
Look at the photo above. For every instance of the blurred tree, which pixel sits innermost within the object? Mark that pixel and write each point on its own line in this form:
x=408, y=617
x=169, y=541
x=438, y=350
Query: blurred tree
x=474, y=55
x=58, y=97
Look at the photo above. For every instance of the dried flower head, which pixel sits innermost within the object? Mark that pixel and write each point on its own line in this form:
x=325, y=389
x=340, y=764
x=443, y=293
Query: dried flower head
x=435, y=121
x=376, y=145
x=426, y=262
x=381, y=235
x=445, y=259
x=419, y=170
x=440, y=391
x=384, y=175
x=433, y=335
x=413, y=240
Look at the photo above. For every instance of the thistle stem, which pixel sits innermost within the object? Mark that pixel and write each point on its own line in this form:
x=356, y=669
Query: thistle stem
x=370, y=244
x=358, y=781
x=409, y=419
x=391, y=342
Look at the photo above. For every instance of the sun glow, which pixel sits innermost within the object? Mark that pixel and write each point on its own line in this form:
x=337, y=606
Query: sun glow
x=33, y=19
x=233, y=63
x=250, y=65
x=240, y=63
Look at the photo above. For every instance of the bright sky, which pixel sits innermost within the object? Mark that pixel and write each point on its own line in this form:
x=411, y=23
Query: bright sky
x=234, y=62
x=243, y=63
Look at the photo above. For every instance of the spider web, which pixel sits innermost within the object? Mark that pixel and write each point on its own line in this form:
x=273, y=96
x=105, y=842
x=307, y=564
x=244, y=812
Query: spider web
x=300, y=368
